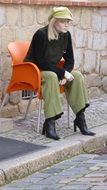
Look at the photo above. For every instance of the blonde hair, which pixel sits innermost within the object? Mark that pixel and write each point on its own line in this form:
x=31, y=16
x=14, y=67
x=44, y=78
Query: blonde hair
x=52, y=33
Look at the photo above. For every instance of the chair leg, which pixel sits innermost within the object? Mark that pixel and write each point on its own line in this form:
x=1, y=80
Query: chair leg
x=39, y=115
x=28, y=106
x=4, y=100
x=68, y=110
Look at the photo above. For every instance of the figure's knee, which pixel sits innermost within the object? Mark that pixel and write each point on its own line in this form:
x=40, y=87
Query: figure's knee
x=52, y=75
x=49, y=76
x=77, y=75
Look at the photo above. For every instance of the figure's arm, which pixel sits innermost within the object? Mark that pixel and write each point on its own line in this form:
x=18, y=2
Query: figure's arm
x=68, y=55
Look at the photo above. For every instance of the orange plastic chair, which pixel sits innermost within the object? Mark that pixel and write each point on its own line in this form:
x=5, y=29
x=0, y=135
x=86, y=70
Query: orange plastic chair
x=21, y=71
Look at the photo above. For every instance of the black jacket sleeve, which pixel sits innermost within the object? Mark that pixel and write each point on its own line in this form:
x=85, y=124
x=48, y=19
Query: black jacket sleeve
x=68, y=55
x=36, y=55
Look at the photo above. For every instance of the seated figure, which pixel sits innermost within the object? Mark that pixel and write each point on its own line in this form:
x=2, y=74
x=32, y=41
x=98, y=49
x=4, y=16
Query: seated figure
x=49, y=44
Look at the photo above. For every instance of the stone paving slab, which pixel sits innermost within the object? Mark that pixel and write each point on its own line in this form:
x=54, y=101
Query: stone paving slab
x=6, y=124
x=69, y=145
x=96, y=115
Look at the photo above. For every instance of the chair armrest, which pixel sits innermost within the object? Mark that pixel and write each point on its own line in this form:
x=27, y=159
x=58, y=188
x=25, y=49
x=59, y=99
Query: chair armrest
x=26, y=75
x=27, y=63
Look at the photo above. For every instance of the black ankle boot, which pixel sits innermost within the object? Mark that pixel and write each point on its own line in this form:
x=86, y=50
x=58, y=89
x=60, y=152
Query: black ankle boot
x=49, y=129
x=81, y=124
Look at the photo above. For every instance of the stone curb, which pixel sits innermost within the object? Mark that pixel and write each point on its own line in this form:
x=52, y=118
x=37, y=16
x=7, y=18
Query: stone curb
x=56, y=151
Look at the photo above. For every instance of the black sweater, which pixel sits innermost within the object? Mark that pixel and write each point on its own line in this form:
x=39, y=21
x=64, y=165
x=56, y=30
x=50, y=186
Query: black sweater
x=46, y=54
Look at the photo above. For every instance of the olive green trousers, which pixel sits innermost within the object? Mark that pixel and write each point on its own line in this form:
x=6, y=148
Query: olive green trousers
x=75, y=91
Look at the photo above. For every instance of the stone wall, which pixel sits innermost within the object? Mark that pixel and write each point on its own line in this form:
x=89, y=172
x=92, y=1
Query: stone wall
x=19, y=21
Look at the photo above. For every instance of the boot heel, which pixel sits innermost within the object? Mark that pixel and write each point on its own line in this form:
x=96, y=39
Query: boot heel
x=44, y=130
x=75, y=127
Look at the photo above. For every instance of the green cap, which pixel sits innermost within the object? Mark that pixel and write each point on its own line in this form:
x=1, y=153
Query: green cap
x=60, y=12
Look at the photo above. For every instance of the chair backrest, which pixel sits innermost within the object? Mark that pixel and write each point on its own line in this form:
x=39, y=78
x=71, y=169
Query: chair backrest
x=18, y=50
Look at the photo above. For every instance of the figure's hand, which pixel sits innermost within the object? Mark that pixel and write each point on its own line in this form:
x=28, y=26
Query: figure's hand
x=68, y=76
x=63, y=81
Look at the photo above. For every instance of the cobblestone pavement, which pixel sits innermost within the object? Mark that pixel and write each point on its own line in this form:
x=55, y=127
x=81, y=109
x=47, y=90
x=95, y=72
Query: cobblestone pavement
x=96, y=115
x=82, y=172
